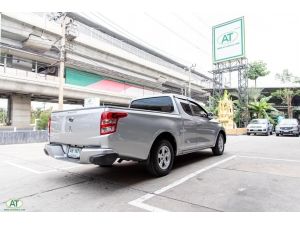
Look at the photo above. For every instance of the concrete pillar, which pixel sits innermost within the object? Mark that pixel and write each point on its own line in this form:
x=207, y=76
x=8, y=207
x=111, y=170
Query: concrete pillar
x=20, y=109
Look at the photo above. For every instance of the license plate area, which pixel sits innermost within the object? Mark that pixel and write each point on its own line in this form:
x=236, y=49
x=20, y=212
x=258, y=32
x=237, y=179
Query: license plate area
x=74, y=153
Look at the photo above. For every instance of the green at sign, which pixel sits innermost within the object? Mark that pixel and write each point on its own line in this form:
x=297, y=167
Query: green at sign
x=227, y=37
x=14, y=203
x=228, y=40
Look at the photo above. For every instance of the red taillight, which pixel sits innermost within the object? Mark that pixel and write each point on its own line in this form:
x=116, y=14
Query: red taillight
x=109, y=121
x=49, y=124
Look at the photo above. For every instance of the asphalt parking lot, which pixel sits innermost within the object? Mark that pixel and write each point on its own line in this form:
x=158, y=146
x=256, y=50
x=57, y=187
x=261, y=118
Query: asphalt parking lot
x=256, y=173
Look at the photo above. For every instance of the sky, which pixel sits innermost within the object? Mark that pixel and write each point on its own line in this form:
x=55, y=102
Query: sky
x=182, y=29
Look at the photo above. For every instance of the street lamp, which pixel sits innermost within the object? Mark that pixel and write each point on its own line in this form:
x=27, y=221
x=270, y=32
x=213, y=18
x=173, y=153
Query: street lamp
x=190, y=77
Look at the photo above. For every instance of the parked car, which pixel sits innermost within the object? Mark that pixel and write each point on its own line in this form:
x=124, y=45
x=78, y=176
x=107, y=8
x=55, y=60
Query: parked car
x=152, y=130
x=260, y=126
x=288, y=127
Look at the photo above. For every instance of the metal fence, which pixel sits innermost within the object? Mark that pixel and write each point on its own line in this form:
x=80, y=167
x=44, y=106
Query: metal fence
x=23, y=137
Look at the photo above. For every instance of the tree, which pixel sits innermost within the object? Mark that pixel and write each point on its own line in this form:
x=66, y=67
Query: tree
x=285, y=76
x=286, y=95
x=237, y=112
x=3, y=116
x=43, y=120
x=213, y=104
x=35, y=114
x=257, y=69
x=262, y=108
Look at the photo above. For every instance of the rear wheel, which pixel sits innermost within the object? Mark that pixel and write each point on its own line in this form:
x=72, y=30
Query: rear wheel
x=220, y=144
x=277, y=135
x=161, y=158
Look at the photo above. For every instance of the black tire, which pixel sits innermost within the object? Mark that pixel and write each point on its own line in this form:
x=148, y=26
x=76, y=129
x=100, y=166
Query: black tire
x=153, y=162
x=248, y=134
x=271, y=133
x=297, y=135
x=277, y=135
x=217, y=149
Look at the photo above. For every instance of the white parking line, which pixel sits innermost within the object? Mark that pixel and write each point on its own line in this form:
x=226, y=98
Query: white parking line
x=140, y=204
x=267, y=158
x=36, y=171
x=28, y=169
x=140, y=201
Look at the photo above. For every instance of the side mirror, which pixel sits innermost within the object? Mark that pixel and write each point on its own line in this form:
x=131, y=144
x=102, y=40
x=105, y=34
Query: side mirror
x=210, y=115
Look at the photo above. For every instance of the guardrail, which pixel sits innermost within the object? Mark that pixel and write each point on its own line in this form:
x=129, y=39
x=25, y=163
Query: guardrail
x=23, y=137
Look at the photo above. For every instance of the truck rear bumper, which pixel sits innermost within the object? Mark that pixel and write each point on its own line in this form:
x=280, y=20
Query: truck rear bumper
x=87, y=155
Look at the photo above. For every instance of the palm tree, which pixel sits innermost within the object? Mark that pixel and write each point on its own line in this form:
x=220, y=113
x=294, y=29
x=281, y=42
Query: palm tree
x=254, y=93
x=262, y=108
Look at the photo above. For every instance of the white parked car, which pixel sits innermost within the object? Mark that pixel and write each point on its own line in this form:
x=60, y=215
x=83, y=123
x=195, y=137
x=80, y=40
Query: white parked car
x=288, y=127
x=260, y=126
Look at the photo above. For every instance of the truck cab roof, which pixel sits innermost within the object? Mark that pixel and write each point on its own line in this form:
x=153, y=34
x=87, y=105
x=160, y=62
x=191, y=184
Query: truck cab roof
x=168, y=95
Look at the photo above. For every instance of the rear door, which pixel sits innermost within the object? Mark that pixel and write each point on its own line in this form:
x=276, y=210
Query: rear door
x=206, y=130
x=191, y=139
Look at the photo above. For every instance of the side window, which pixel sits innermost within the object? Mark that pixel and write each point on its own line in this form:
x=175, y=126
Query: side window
x=186, y=107
x=198, y=111
x=161, y=104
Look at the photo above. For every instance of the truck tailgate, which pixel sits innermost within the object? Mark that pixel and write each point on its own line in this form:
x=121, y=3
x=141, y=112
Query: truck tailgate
x=76, y=127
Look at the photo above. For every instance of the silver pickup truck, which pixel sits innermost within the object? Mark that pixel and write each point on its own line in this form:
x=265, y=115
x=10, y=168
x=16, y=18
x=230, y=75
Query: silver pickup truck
x=152, y=130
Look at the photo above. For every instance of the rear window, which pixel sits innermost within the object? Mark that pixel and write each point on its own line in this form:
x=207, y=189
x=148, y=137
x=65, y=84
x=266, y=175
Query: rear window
x=161, y=104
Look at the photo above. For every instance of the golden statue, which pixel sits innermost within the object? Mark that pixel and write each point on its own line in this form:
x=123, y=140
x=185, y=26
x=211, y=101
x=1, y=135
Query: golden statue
x=225, y=112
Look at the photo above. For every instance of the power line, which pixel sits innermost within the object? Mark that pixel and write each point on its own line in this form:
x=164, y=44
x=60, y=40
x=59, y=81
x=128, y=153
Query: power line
x=122, y=30
x=105, y=19
x=190, y=26
x=202, y=21
x=119, y=37
x=178, y=35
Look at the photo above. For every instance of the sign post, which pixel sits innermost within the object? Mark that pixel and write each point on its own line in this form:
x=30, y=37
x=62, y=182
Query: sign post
x=228, y=55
